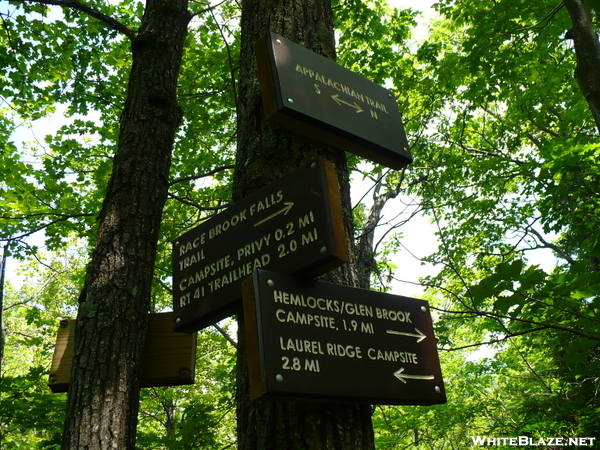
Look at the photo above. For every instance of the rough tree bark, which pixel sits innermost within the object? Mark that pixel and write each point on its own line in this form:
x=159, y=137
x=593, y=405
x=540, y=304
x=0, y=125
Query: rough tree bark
x=103, y=397
x=265, y=153
x=587, y=49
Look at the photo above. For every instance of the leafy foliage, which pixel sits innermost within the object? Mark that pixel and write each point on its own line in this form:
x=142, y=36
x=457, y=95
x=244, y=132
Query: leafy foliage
x=506, y=165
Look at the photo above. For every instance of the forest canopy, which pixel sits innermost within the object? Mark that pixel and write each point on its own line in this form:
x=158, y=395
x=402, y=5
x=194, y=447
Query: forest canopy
x=501, y=104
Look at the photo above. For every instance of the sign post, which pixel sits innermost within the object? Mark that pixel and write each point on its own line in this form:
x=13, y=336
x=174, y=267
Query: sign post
x=294, y=224
x=328, y=342
x=313, y=96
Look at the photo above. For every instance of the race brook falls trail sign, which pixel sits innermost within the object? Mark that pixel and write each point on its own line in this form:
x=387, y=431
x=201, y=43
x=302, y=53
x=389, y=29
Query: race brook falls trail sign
x=321, y=341
x=313, y=96
x=293, y=225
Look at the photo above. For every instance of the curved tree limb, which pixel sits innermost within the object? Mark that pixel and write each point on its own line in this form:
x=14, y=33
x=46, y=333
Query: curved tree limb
x=74, y=4
x=202, y=175
x=551, y=246
x=518, y=319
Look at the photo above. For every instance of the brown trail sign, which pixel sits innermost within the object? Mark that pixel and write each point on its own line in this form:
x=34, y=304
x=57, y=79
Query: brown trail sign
x=169, y=357
x=294, y=225
x=322, y=341
x=313, y=96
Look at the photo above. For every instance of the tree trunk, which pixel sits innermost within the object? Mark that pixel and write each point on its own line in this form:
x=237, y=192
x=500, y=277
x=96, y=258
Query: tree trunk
x=587, y=49
x=112, y=320
x=266, y=152
x=2, y=330
x=365, y=250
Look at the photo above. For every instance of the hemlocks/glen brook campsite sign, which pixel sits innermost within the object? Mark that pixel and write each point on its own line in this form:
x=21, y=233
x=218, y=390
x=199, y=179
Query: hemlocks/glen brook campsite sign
x=316, y=340
x=294, y=225
x=312, y=95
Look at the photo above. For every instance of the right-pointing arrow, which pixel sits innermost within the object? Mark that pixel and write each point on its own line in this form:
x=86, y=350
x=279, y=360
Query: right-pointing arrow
x=419, y=335
x=284, y=210
x=404, y=376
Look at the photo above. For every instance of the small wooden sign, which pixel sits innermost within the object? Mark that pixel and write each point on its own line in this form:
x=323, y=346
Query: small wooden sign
x=294, y=224
x=169, y=357
x=327, y=342
x=313, y=96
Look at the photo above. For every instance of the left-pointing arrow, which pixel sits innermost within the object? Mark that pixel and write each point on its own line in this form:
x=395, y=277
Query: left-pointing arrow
x=419, y=334
x=403, y=376
x=284, y=210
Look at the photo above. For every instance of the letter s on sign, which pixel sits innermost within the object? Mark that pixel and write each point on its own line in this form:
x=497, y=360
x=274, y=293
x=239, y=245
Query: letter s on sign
x=317, y=90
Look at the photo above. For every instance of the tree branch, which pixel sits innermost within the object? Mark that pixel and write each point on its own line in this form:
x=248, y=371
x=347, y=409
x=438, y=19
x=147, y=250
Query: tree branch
x=164, y=285
x=494, y=341
x=517, y=319
x=74, y=4
x=29, y=233
x=230, y=58
x=551, y=246
x=14, y=305
x=197, y=205
x=225, y=335
x=541, y=24
x=202, y=175
x=208, y=8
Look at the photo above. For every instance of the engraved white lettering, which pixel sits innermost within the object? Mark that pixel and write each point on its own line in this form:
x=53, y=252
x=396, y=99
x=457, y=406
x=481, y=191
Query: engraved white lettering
x=226, y=224
x=388, y=314
x=301, y=346
x=265, y=203
x=349, y=351
x=392, y=355
x=253, y=247
x=340, y=87
x=300, y=318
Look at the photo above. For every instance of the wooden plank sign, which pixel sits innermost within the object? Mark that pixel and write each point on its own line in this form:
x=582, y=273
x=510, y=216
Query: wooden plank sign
x=327, y=342
x=313, y=96
x=294, y=224
x=169, y=357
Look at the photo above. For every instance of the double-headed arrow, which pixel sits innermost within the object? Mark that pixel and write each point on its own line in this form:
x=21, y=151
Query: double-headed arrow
x=339, y=101
x=284, y=210
x=404, y=376
x=419, y=334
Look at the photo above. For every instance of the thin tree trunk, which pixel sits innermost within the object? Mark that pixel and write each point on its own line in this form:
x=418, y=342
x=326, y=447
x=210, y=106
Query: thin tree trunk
x=265, y=153
x=587, y=49
x=103, y=398
x=365, y=250
x=2, y=330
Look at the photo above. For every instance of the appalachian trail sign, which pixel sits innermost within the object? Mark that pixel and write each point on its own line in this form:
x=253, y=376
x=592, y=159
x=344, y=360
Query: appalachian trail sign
x=294, y=225
x=315, y=340
x=313, y=96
